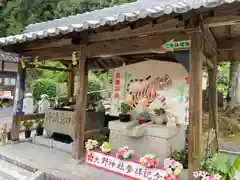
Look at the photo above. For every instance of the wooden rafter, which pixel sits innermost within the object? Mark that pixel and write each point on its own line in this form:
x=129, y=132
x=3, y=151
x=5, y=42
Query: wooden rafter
x=48, y=68
x=225, y=20
x=114, y=47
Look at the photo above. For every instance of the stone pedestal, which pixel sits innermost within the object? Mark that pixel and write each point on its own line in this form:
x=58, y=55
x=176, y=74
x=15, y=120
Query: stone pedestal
x=159, y=140
x=59, y=121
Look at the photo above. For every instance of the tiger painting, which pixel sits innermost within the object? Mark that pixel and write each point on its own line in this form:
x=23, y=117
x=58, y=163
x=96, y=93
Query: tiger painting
x=145, y=91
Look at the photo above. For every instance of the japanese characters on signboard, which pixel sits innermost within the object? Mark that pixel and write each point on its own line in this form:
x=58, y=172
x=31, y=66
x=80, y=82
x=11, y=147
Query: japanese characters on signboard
x=117, y=85
x=129, y=169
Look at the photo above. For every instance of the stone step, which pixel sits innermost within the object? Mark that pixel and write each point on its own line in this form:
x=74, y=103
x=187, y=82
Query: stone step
x=12, y=172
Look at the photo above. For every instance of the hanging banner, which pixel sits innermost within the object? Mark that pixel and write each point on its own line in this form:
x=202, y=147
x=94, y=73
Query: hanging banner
x=117, y=85
x=129, y=169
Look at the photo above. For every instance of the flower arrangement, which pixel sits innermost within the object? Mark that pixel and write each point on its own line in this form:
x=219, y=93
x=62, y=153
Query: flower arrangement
x=218, y=167
x=125, y=154
x=91, y=144
x=181, y=156
x=172, y=167
x=206, y=176
x=149, y=161
x=106, y=147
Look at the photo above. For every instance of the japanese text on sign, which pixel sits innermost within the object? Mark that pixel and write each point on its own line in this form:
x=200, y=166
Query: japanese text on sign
x=171, y=45
x=129, y=169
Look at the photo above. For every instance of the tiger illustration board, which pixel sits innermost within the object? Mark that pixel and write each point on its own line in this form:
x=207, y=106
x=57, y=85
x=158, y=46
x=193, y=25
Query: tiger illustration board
x=145, y=91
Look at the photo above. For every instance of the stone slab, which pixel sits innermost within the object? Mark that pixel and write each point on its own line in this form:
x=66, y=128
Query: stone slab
x=13, y=172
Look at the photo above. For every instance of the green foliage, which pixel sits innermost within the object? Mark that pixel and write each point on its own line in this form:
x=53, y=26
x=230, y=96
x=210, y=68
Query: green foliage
x=181, y=156
x=39, y=123
x=125, y=108
x=94, y=84
x=220, y=164
x=44, y=86
x=4, y=103
x=28, y=124
x=159, y=111
x=223, y=77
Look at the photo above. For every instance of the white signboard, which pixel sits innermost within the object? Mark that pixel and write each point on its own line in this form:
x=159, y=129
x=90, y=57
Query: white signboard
x=129, y=169
x=58, y=121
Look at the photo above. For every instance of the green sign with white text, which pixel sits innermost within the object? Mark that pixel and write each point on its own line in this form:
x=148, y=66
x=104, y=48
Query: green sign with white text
x=173, y=45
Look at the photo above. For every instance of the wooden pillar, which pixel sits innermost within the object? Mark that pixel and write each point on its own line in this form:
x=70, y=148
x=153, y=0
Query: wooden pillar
x=213, y=102
x=18, y=102
x=81, y=106
x=70, y=81
x=195, y=150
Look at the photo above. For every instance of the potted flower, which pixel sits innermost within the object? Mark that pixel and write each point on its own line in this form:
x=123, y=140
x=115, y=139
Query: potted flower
x=149, y=161
x=172, y=167
x=160, y=115
x=28, y=125
x=39, y=128
x=106, y=147
x=181, y=156
x=91, y=144
x=125, y=153
x=144, y=117
x=218, y=167
x=125, y=109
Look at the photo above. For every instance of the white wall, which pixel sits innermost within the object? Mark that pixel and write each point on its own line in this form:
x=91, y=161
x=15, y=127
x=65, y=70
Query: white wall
x=156, y=69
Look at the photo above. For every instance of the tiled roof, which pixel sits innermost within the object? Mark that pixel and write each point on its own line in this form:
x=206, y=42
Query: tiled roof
x=109, y=16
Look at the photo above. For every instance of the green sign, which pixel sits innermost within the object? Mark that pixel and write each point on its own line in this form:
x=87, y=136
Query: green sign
x=173, y=45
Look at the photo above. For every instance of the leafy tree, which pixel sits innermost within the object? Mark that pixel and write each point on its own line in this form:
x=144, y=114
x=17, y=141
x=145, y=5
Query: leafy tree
x=44, y=86
x=94, y=84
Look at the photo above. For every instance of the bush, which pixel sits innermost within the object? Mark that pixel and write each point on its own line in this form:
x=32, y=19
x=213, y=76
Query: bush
x=44, y=86
x=94, y=84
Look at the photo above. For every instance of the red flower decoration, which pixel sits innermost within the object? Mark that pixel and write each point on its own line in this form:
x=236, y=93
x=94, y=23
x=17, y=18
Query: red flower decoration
x=187, y=79
x=168, y=177
x=141, y=121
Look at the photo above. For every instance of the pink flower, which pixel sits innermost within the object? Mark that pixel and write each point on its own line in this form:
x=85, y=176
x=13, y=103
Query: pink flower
x=167, y=163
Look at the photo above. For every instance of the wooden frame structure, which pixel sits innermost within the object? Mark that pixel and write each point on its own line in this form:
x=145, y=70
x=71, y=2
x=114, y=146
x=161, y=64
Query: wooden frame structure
x=136, y=36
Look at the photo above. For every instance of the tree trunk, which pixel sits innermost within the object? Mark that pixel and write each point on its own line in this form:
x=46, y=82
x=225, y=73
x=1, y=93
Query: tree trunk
x=234, y=91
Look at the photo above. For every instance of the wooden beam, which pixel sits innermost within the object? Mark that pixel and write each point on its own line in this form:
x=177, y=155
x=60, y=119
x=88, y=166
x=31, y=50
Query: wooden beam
x=207, y=60
x=195, y=150
x=114, y=47
x=48, y=68
x=81, y=106
x=213, y=102
x=210, y=43
x=224, y=20
x=229, y=44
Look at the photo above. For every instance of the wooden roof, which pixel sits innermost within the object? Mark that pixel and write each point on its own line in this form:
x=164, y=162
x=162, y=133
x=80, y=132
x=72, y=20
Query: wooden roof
x=140, y=32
